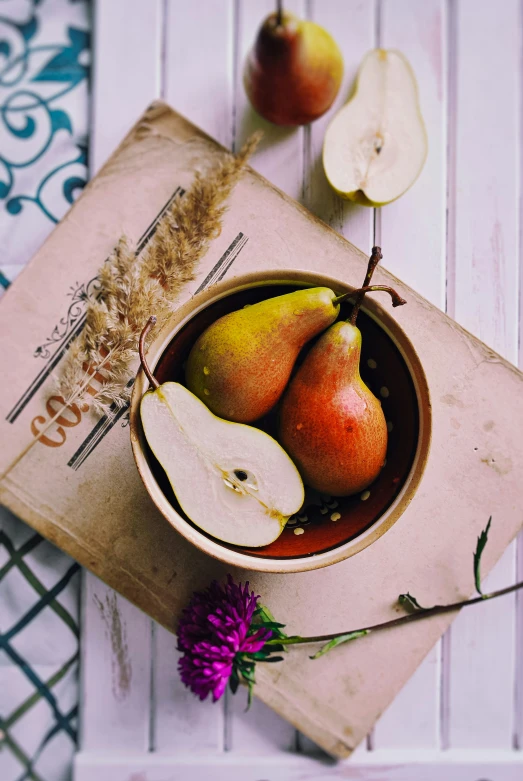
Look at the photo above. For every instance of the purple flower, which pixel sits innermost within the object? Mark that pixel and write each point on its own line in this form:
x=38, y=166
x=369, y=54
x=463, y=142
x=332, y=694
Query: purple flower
x=219, y=640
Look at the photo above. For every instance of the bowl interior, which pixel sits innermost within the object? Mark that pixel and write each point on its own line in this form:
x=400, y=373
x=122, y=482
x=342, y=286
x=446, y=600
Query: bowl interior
x=324, y=522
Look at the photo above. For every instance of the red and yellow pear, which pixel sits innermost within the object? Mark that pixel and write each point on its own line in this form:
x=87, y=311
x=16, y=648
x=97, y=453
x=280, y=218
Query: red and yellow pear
x=240, y=364
x=294, y=70
x=331, y=424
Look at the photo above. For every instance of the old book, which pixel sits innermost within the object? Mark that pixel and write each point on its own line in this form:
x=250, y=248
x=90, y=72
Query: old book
x=80, y=488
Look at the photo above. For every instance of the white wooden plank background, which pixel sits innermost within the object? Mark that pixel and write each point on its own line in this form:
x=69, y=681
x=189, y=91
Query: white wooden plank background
x=483, y=296
x=457, y=238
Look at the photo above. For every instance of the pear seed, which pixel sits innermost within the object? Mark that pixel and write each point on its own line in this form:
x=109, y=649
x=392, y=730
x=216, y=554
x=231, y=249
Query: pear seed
x=299, y=530
x=206, y=370
x=364, y=496
x=324, y=510
x=335, y=517
x=384, y=392
x=371, y=363
x=230, y=485
x=206, y=391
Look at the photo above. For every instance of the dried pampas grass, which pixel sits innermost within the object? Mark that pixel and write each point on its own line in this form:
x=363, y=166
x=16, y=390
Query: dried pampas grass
x=132, y=288
x=99, y=364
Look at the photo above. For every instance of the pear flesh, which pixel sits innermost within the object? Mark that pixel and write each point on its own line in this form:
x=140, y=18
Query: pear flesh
x=376, y=145
x=242, y=363
x=233, y=481
x=331, y=424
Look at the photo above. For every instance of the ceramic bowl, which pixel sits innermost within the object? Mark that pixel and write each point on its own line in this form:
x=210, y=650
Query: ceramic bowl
x=327, y=529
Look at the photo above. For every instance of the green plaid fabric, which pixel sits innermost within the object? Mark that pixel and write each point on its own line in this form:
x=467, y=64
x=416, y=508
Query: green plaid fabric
x=38, y=655
x=44, y=65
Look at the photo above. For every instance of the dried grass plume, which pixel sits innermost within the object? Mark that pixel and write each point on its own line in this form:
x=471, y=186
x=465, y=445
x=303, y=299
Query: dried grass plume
x=132, y=288
x=99, y=365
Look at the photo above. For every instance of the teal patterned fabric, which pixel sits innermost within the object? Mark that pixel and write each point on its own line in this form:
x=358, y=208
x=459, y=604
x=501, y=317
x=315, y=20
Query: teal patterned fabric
x=44, y=68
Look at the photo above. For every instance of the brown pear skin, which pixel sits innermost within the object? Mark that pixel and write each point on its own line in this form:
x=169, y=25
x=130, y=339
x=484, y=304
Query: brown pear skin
x=294, y=71
x=331, y=425
x=240, y=365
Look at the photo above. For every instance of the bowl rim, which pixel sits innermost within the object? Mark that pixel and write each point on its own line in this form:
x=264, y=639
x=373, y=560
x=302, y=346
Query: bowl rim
x=214, y=548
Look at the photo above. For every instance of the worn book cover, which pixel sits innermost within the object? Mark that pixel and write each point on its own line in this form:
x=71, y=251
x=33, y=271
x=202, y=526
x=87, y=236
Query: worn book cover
x=79, y=485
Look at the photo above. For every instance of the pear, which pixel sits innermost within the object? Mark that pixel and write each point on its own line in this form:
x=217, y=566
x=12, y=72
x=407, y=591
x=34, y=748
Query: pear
x=294, y=70
x=233, y=481
x=376, y=145
x=241, y=364
x=331, y=424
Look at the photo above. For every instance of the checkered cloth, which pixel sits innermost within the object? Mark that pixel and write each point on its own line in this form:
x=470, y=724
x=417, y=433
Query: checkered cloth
x=44, y=64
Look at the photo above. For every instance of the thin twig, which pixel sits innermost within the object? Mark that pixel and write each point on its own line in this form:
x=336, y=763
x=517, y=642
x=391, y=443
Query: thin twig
x=397, y=300
x=145, y=366
x=46, y=428
x=374, y=259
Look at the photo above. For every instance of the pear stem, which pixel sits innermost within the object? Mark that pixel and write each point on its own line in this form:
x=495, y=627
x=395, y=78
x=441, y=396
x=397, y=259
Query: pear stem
x=397, y=300
x=374, y=259
x=148, y=373
x=279, y=13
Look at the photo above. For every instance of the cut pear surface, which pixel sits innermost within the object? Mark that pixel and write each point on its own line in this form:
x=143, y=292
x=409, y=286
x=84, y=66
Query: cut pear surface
x=233, y=481
x=376, y=146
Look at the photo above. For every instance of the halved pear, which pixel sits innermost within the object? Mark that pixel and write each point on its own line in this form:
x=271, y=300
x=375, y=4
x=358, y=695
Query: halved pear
x=376, y=145
x=233, y=481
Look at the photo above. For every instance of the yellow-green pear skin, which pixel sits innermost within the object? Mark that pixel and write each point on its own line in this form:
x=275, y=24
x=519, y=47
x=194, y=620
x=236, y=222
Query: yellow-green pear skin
x=233, y=481
x=294, y=70
x=376, y=145
x=241, y=364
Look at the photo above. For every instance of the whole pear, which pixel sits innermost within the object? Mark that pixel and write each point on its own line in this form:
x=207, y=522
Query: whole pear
x=240, y=365
x=331, y=424
x=294, y=70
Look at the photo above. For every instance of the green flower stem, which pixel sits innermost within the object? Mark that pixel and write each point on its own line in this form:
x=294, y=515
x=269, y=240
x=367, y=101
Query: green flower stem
x=417, y=616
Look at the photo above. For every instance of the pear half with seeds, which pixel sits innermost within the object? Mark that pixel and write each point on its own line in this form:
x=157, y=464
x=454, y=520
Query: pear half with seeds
x=232, y=480
x=376, y=145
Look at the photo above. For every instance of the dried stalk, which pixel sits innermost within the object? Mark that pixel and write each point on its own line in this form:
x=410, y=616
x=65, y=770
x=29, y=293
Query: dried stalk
x=131, y=288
